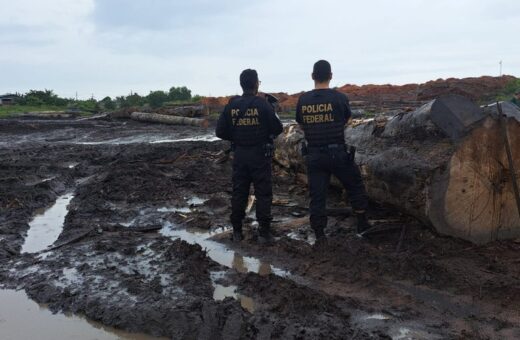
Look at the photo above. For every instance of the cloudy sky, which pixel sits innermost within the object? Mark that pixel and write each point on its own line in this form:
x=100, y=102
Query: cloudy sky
x=112, y=47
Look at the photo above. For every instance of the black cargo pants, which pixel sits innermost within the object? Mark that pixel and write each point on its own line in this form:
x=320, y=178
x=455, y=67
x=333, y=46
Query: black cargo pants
x=322, y=162
x=250, y=165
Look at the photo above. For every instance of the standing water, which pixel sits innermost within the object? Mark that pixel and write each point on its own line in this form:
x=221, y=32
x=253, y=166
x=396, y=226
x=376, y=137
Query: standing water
x=45, y=227
x=21, y=318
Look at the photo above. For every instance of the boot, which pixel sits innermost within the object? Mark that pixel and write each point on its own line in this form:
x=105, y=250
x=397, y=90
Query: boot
x=264, y=234
x=321, y=239
x=237, y=233
x=362, y=224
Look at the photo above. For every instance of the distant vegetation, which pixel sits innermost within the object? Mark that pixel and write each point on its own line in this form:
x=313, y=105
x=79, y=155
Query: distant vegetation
x=509, y=91
x=47, y=100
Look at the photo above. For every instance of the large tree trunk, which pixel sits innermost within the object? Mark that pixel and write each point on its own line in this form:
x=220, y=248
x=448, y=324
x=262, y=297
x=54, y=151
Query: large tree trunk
x=193, y=111
x=166, y=119
x=444, y=163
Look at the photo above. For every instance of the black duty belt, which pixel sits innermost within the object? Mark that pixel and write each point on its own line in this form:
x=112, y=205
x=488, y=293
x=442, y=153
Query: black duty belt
x=329, y=147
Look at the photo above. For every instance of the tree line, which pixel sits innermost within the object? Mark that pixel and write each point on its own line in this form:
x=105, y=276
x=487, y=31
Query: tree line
x=154, y=99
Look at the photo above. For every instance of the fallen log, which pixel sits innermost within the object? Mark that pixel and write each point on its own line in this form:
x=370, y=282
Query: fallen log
x=185, y=111
x=48, y=114
x=444, y=163
x=167, y=119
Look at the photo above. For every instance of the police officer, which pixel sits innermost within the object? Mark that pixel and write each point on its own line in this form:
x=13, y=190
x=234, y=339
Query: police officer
x=323, y=113
x=251, y=124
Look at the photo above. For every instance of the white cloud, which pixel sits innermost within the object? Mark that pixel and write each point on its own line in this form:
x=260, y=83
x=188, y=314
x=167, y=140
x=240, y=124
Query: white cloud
x=109, y=47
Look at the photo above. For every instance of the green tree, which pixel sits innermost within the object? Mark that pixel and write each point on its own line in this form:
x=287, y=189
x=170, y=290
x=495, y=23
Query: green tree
x=134, y=100
x=157, y=98
x=179, y=93
x=121, y=102
x=46, y=97
x=107, y=103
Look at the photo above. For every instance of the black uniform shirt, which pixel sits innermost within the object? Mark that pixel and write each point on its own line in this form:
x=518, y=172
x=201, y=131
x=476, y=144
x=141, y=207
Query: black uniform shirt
x=323, y=113
x=252, y=128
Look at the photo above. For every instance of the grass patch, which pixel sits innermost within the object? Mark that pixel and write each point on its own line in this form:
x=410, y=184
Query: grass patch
x=7, y=111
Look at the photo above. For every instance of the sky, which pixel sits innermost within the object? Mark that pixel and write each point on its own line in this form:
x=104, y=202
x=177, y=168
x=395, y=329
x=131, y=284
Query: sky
x=114, y=47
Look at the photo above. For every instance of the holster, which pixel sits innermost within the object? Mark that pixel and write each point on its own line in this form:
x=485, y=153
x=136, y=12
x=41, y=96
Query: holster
x=269, y=150
x=303, y=149
x=351, y=150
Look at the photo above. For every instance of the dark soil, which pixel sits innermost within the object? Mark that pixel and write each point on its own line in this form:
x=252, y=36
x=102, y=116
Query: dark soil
x=113, y=263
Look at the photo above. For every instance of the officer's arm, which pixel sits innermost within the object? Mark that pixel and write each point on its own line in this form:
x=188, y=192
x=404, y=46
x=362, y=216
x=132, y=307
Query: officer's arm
x=298, y=112
x=275, y=124
x=348, y=112
x=223, y=130
x=346, y=108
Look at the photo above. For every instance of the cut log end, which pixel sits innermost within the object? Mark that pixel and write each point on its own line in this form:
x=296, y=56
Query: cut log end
x=477, y=202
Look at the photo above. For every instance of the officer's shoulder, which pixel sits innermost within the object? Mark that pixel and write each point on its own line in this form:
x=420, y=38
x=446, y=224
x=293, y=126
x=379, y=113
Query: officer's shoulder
x=233, y=99
x=261, y=102
x=341, y=95
x=304, y=95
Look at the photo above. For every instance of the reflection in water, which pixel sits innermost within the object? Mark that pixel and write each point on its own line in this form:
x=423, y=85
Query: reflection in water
x=45, y=228
x=196, y=201
x=21, y=318
x=243, y=266
x=220, y=254
x=183, y=210
x=221, y=292
x=226, y=257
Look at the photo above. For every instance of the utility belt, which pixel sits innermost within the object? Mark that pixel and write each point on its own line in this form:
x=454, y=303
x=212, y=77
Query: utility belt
x=349, y=149
x=267, y=148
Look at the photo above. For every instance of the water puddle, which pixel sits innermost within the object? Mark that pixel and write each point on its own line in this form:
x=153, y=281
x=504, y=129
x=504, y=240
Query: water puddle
x=46, y=226
x=220, y=254
x=203, y=138
x=195, y=201
x=21, y=318
x=405, y=333
x=377, y=317
x=228, y=258
x=298, y=236
x=221, y=292
x=182, y=210
x=151, y=140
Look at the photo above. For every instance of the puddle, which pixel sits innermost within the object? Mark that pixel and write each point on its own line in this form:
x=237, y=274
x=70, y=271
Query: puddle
x=296, y=235
x=182, y=210
x=203, y=138
x=45, y=227
x=220, y=254
x=221, y=292
x=405, y=333
x=196, y=201
x=228, y=258
x=377, y=317
x=21, y=318
x=151, y=140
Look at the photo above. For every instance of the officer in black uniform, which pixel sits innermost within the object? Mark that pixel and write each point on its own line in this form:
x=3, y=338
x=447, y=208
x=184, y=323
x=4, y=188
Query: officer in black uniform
x=323, y=113
x=251, y=124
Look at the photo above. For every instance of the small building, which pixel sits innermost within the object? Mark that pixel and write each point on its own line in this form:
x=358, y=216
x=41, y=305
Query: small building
x=8, y=99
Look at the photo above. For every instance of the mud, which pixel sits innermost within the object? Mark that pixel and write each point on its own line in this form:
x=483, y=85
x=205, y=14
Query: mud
x=145, y=247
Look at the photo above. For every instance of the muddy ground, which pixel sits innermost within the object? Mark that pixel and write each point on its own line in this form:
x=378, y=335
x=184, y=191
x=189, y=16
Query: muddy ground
x=145, y=247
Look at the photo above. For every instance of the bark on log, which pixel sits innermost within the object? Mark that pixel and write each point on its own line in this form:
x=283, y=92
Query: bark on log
x=166, y=119
x=444, y=163
x=185, y=111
